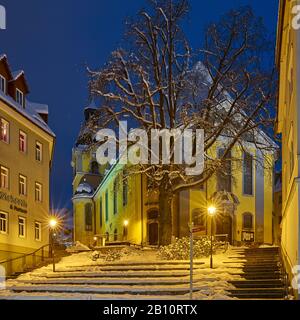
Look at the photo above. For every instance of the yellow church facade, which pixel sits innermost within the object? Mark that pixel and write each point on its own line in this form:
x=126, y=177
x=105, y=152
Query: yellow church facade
x=110, y=209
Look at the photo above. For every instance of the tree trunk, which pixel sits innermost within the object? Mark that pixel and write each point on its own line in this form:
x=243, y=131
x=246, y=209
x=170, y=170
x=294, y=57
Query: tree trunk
x=165, y=217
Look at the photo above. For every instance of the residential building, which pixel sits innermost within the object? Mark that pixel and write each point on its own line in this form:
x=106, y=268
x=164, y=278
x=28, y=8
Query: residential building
x=26, y=153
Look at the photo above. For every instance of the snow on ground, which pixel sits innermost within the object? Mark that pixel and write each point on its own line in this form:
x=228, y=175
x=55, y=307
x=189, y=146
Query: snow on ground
x=210, y=284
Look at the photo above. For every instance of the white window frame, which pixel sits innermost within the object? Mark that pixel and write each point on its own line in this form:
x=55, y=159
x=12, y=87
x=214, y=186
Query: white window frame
x=36, y=223
x=22, y=141
x=5, y=123
x=24, y=184
x=4, y=178
x=3, y=223
x=23, y=224
x=3, y=84
x=38, y=192
x=38, y=151
x=19, y=96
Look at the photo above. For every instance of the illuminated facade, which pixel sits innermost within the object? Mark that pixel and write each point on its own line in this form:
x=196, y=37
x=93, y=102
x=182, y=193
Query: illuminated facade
x=288, y=52
x=107, y=206
x=26, y=149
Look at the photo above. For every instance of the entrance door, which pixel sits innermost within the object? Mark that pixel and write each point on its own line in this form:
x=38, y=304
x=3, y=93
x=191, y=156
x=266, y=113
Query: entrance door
x=153, y=233
x=224, y=226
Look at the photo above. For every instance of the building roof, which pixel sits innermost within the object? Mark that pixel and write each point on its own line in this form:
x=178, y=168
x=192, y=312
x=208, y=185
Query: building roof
x=30, y=112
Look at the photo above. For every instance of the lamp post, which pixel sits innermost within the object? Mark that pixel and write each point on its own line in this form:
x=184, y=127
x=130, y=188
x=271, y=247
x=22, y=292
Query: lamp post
x=125, y=229
x=52, y=225
x=211, y=212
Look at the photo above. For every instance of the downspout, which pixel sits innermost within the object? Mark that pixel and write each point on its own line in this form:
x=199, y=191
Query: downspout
x=142, y=211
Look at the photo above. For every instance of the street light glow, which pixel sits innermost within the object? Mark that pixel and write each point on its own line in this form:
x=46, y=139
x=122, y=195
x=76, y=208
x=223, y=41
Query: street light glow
x=211, y=210
x=53, y=223
x=125, y=223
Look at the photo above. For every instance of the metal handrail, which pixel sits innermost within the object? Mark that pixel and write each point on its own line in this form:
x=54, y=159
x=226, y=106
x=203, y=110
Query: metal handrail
x=21, y=263
x=283, y=273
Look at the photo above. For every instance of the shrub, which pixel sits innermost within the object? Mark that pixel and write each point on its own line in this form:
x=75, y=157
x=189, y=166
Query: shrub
x=180, y=249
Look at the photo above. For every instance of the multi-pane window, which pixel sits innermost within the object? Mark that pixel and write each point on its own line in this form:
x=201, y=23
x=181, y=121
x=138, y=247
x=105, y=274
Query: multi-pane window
x=4, y=130
x=38, y=231
x=38, y=192
x=22, y=185
x=101, y=212
x=248, y=174
x=88, y=217
x=2, y=84
x=22, y=141
x=115, y=196
x=38, y=151
x=106, y=206
x=20, y=97
x=125, y=188
x=224, y=176
x=4, y=177
x=247, y=220
x=3, y=222
x=22, y=227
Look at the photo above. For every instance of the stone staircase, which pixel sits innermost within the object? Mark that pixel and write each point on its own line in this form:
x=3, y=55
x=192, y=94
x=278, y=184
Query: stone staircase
x=261, y=272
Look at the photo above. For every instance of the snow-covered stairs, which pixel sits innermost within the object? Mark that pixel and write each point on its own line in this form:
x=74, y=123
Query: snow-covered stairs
x=261, y=273
x=169, y=279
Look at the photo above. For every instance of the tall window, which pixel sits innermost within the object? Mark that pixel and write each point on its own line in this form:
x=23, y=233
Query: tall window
x=38, y=151
x=94, y=167
x=22, y=227
x=247, y=174
x=116, y=196
x=2, y=84
x=22, y=185
x=4, y=177
x=38, y=231
x=125, y=188
x=101, y=212
x=22, y=141
x=4, y=130
x=38, y=192
x=88, y=217
x=247, y=220
x=106, y=206
x=224, y=177
x=20, y=97
x=3, y=222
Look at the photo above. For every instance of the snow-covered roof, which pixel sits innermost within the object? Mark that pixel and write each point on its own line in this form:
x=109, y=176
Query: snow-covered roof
x=84, y=188
x=29, y=112
x=38, y=107
x=17, y=74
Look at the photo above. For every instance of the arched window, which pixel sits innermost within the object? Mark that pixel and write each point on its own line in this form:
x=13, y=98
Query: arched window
x=116, y=235
x=94, y=167
x=247, y=220
x=152, y=214
x=125, y=188
x=88, y=217
x=115, y=196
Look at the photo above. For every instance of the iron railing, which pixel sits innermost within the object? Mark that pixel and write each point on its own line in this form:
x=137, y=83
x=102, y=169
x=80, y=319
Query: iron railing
x=283, y=273
x=26, y=261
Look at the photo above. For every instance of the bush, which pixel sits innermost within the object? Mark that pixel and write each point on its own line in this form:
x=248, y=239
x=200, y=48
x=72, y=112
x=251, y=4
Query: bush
x=180, y=249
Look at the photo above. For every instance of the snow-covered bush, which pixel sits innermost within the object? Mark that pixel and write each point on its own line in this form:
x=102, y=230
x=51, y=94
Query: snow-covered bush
x=95, y=255
x=180, y=249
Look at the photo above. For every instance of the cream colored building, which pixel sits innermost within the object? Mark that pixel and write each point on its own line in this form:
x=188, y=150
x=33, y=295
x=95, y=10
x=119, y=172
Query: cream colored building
x=288, y=120
x=26, y=151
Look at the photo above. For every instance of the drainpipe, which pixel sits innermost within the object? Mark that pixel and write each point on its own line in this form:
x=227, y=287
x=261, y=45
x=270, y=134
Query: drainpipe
x=142, y=211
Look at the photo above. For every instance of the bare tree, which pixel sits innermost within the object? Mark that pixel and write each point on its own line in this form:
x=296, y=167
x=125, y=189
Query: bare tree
x=157, y=82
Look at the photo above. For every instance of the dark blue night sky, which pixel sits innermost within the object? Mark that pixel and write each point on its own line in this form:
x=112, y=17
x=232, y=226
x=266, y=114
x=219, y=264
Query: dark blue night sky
x=52, y=40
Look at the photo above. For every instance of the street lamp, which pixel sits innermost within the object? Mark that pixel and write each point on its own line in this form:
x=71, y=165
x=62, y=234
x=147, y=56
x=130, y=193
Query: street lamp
x=211, y=212
x=125, y=231
x=52, y=224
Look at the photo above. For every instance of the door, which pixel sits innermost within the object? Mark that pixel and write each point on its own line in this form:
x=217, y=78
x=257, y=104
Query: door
x=224, y=226
x=153, y=233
